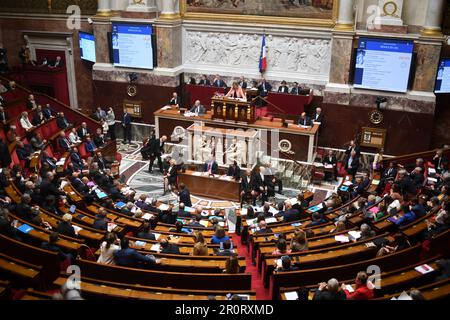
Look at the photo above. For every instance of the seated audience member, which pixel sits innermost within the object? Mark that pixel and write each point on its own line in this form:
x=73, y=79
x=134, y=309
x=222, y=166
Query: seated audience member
x=178, y=227
x=218, y=82
x=304, y=120
x=406, y=217
x=146, y=232
x=286, y=265
x=83, y=131
x=61, y=121
x=38, y=117
x=232, y=265
x=65, y=226
x=318, y=116
x=198, y=108
x=364, y=288
x=330, y=291
x=299, y=241
x=283, y=88
x=211, y=166
x=101, y=220
x=25, y=122
x=47, y=111
x=99, y=138
x=90, y=146
x=3, y=116
x=281, y=248
x=400, y=242
x=219, y=236
x=417, y=177
x=24, y=152
x=37, y=142
x=73, y=137
x=236, y=92
x=316, y=219
x=438, y=159
x=296, y=89
x=63, y=142
x=290, y=214
x=227, y=251
x=6, y=226
x=76, y=159
x=195, y=222
x=443, y=267
x=168, y=248
x=242, y=83
x=31, y=103
x=263, y=228
x=366, y=232
x=204, y=81
x=103, y=164
x=200, y=249
x=405, y=184
x=264, y=88
x=127, y=257
x=52, y=245
x=107, y=249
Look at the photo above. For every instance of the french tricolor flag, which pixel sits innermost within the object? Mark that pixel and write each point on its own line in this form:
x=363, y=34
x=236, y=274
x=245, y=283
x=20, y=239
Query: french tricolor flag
x=263, y=57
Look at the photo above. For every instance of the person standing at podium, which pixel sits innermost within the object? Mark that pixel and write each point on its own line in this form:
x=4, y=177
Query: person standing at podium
x=211, y=166
x=236, y=92
x=198, y=108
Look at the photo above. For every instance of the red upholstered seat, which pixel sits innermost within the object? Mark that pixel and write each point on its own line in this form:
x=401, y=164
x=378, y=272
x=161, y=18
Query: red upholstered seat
x=52, y=128
x=82, y=151
x=14, y=158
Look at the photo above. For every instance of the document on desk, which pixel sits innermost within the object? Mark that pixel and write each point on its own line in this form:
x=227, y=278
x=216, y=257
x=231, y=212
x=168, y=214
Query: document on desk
x=271, y=220
x=424, y=269
x=155, y=247
x=292, y=295
x=273, y=211
x=341, y=238
x=197, y=174
x=243, y=211
x=349, y=288
x=77, y=229
x=204, y=223
x=328, y=166
x=354, y=234
x=157, y=235
x=140, y=243
x=163, y=207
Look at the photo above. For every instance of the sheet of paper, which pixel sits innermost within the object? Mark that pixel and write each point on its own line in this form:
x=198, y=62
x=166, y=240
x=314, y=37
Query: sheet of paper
x=77, y=229
x=155, y=247
x=375, y=182
x=140, y=243
x=163, y=207
x=355, y=234
x=157, y=235
x=204, y=223
x=197, y=174
x=271, y=220
x=349, y=288
x=147, y=216
x=431, y=170
x=243, y=211
x=291, y=295
x=423, y=269
x=273, y=210
x=341, y=238
x=111, y=226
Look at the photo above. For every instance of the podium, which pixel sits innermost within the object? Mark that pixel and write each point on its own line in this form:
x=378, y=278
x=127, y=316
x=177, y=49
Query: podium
x=228, y=109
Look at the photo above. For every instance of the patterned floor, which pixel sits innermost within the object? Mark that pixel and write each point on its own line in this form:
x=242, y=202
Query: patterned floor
x=136, y=175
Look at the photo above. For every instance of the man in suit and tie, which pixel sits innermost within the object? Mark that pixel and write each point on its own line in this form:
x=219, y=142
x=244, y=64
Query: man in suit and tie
x=47, y=111
x=31, y=103
x=330, y=160
x=58, y=63
x=264, y=88
x=126, y=124
x=83, y=131
x=204, y=81
x=318, y=116
x=304, y=120
x=296, y=89
x=290, y=214
x=352, y=163
x=175, y=101
x=63, y=142
x=283, y=88
x=100, y=114
x=242, y=83
x=219, y=83
x=156, y=150
x=247, y=189
x=61, y=121
x=438, y=159
x=184, y=195
x=211, y=166
x=259, y=184
x=353, y=147
x=198, y=108
x=76, y=159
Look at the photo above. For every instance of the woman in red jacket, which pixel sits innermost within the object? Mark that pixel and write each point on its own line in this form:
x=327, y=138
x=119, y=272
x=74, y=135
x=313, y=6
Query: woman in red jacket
x=364, y=288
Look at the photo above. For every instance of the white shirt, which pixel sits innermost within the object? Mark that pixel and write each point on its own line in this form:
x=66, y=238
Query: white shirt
x=110, y=118
x=25, y=123
x=107, y=255
x=73, y=138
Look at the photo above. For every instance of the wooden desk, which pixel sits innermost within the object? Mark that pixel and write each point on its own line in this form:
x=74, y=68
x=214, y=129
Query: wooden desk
x=211, y=187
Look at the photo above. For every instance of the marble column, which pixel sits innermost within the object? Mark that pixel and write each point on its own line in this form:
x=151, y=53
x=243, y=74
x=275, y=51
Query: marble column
x=346, y=19
x=428, y=56
x=169, y=9
x=101, y=28
x=104, y=8
x=119, y=5
x=433, y=20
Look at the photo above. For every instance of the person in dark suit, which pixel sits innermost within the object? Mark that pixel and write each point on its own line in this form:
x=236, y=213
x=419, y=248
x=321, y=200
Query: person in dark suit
x=48, y=186
x=353, y=147
x=175, y=101
x=146, y=233
x=83, y=131
x=76, y=159
x=259, y=183
x=63, y=142
x=24, y=210
x=126, y=124
x=417, y=177
x=304, y=120
x=264, y=88
x=184, y=195
x=23, y=152
x=204, y=81
x=330, y=291
x=331, y=160
x=234, y=171
x=195, y=222
x=168, y=248
x=127, y=257
x=283, y=88
x=57, y=63
x=156, y=150
x=296, y=89
x=247, y=189
x=290, y=214
x=263, y=229
x=47, y=111
x=65, y=227
x=438, y=159
x=101, y=220
x=31, y=102
x=218, y=82
x=405, y=183
x=51, y=245
x=5, y=156
x=352, y=163
x=61, y=121
x=242, y=83
x=211, y=166
x=198, y=108
x=318, y=116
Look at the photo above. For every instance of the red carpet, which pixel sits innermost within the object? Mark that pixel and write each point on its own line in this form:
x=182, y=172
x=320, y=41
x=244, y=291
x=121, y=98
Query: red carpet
x=257, y=283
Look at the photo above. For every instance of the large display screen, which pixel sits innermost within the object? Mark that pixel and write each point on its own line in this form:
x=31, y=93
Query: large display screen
x=443, y=77
x=87, y=46
x=383, y=64
x=132, y=45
